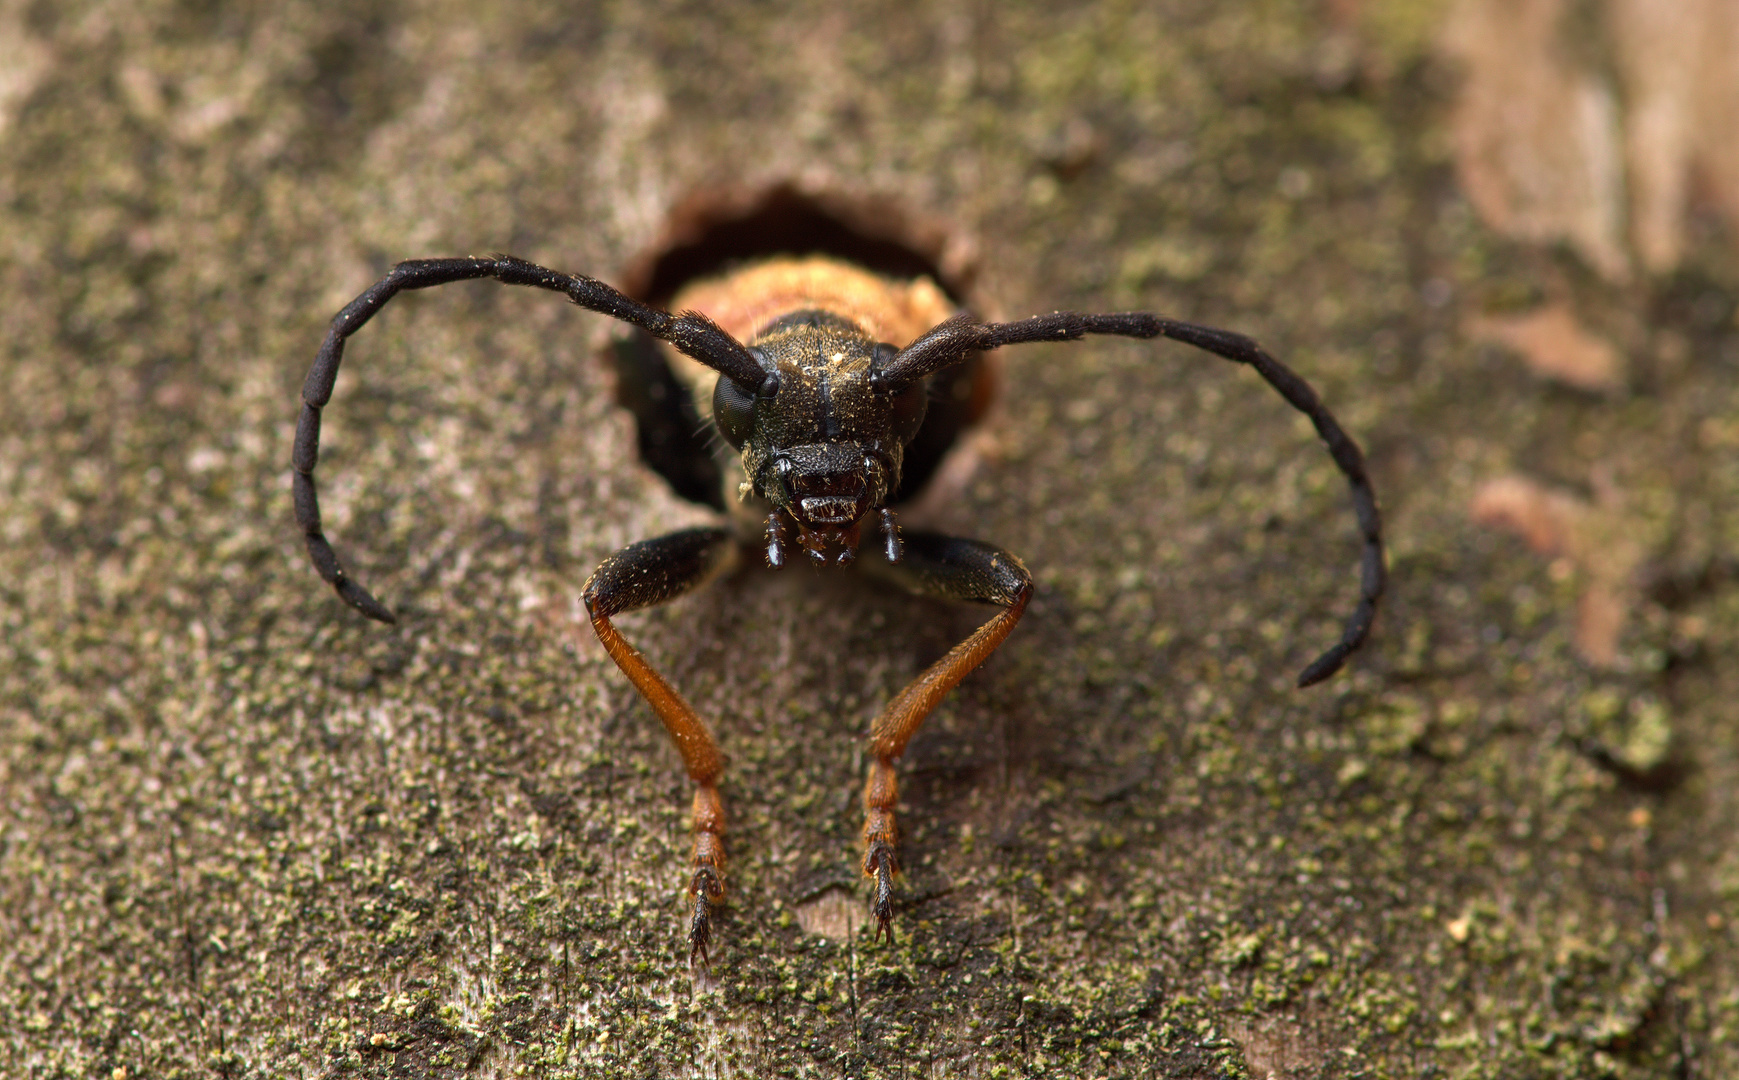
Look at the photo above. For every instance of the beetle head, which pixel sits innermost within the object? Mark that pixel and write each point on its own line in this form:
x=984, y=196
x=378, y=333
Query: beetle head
x=826, y=445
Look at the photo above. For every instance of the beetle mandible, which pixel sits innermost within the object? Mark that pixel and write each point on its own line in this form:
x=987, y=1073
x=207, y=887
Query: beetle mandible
x=820, y=407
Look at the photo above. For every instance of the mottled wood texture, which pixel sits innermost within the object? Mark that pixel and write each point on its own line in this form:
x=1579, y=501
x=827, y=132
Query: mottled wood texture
x=247, y=832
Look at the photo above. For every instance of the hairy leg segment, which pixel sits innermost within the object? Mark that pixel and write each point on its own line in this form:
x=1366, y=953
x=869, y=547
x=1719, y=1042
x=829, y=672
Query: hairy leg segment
x=645, y=575
x=946, y=568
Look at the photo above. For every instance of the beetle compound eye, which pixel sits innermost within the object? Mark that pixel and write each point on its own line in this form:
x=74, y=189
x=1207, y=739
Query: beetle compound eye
x=880, y=357
x=733, y=411
x=909, y=407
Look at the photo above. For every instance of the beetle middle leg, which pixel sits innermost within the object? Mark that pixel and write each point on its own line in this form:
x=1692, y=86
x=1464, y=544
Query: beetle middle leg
x=948, y=568
x=644, y=575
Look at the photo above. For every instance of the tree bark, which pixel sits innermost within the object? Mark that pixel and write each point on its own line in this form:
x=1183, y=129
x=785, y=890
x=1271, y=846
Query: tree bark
x=248, y=832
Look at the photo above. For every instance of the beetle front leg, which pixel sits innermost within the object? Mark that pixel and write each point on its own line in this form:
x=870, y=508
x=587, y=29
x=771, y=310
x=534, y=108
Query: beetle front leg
x=644, y=575
x=951, y=569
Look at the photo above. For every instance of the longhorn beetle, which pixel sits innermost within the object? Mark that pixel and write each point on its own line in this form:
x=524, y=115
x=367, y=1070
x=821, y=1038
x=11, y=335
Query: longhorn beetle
x=819, y=406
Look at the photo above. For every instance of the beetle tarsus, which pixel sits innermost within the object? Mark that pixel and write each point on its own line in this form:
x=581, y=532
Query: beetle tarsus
x=882, y=864
x=707, y=892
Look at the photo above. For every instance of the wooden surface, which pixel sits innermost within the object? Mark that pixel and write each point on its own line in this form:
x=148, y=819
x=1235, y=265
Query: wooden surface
x=247, y=833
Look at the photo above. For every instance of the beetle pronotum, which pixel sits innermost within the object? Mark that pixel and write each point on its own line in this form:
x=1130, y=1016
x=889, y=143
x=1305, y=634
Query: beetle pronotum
x=819, y=379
